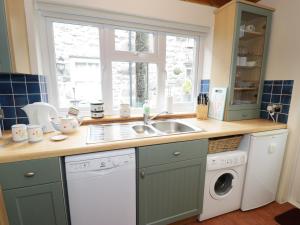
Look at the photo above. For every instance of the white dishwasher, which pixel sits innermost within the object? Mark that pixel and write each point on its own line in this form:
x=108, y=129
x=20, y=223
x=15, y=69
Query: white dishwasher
x=102, y=188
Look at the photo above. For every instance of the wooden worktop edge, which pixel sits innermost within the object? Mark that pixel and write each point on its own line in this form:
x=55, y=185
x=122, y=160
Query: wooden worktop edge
x=65, y=151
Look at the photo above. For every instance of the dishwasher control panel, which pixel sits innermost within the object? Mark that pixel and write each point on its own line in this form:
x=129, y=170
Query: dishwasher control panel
x=99, y=163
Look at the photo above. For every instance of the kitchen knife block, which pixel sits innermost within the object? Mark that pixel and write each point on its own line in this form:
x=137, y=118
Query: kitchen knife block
x=202, y=112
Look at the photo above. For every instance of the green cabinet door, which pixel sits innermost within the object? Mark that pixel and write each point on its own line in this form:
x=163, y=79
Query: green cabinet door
x=36, y=205
x=5, y=64
x=171, y=192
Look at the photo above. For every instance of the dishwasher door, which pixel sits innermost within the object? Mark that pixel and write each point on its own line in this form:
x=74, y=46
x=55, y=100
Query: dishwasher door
x=102, y=190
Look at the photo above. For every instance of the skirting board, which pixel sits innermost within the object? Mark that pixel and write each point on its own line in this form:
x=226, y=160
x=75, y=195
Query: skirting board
x=295, y=203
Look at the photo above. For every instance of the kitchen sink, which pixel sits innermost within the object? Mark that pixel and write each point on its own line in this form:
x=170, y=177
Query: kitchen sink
x=171, y=127
x=126, y=131
x=143, y=129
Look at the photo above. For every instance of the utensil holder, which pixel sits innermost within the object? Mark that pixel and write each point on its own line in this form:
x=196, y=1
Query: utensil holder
x=202, y=112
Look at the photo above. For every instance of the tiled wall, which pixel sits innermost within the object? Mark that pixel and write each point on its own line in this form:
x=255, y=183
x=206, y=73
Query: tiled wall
x=204, y=86
x=18, y=90
x=277, y=91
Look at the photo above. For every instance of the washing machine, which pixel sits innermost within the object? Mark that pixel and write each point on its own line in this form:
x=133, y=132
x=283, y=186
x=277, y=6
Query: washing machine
x=224, y=182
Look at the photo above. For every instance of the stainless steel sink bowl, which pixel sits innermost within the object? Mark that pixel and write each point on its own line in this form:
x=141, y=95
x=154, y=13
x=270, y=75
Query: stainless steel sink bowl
x=171, y=127
x=143, y=129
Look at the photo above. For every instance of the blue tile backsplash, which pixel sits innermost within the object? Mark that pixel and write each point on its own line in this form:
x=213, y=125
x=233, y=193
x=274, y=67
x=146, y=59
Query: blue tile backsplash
x=277, y=91
x=16, y=91
x=204, y=86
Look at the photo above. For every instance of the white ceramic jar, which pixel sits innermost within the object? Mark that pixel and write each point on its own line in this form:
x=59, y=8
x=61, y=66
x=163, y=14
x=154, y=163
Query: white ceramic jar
x=35, y=133
x=124, y=110
x=19, y=132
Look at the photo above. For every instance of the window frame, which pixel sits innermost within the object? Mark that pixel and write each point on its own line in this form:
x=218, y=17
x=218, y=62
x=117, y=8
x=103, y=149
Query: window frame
x=182, y=107
x=108, y=54
x=52, y=79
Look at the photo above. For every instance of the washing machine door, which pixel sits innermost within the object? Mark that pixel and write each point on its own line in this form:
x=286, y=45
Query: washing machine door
x=223, y=184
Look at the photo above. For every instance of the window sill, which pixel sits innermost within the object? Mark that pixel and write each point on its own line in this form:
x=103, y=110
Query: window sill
x=118, y=119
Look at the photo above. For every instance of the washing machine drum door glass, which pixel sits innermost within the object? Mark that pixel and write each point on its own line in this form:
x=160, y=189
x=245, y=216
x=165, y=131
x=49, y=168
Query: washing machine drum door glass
x=223, y=184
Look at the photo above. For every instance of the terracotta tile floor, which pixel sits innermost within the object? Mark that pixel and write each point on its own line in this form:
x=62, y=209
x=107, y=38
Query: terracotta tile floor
x=262, y=216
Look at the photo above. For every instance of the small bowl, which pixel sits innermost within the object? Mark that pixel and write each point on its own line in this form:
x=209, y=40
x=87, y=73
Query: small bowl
x=251, y=63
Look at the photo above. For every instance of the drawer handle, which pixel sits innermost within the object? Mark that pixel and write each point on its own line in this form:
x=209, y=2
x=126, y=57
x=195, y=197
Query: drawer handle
x=177, y=153
x=29, y=174
x=143, y=174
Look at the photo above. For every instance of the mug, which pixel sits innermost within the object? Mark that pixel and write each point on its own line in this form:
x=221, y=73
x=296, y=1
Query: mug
x=35, y=133
x=124, y=110
x=19, y=132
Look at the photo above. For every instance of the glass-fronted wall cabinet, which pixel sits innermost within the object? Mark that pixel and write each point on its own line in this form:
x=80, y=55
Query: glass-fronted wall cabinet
x=14, y=47
x=241, y=36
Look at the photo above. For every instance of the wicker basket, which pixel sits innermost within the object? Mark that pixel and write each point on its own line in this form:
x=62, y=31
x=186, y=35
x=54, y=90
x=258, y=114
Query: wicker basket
x=223, y=144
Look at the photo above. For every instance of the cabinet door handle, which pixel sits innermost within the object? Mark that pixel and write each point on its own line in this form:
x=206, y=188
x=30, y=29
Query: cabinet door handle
x=177, y=153
x=143, y=174
x=29, y=174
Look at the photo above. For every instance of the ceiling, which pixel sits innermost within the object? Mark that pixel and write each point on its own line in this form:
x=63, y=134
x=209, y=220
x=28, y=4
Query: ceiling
x=214, y=3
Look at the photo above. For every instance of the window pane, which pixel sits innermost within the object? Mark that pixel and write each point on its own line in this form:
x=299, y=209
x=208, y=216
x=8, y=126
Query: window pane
x=133, y=83
x=134, y=41
x=180, y=67
x=77, y=64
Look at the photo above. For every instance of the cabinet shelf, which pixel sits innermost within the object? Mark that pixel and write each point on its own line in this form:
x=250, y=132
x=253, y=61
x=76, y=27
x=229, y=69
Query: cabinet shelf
x=248, y=67
x=248, y=35
x=250, y=55
x=246, y=89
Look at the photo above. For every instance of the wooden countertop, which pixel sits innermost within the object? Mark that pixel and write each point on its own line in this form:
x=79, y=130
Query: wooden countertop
x=76, y=143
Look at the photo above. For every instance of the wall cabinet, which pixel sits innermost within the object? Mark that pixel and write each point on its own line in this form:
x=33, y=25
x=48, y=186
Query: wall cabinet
x=33, y=192
x=5, y=65
x=171, y=181
x=14, y=50
x=241, y=40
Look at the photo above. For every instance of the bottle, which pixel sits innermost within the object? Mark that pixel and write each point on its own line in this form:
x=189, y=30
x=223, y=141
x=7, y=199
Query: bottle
x=146, y=111
x=170, y=104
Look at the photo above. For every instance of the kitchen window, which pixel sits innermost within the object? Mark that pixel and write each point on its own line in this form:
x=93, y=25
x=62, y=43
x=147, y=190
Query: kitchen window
x=77, y=64
x=121, y=65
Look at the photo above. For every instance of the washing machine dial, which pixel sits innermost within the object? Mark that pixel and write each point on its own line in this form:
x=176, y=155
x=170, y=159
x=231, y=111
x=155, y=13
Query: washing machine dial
x=228, y=162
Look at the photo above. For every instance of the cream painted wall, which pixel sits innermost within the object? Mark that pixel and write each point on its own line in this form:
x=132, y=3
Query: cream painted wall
x=170, y=10
x=174, y=10
x=284, y=64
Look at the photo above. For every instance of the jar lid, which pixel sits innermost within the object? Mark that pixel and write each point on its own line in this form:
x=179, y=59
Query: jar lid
x=97, y=103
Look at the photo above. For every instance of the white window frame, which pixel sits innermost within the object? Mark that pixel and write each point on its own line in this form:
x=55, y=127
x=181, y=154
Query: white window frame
x=52, y=79
x=105, y=21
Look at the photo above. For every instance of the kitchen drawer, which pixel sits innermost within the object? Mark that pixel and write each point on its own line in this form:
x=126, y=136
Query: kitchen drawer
x=245, y=114
x=28, y=173
x=173, y=152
